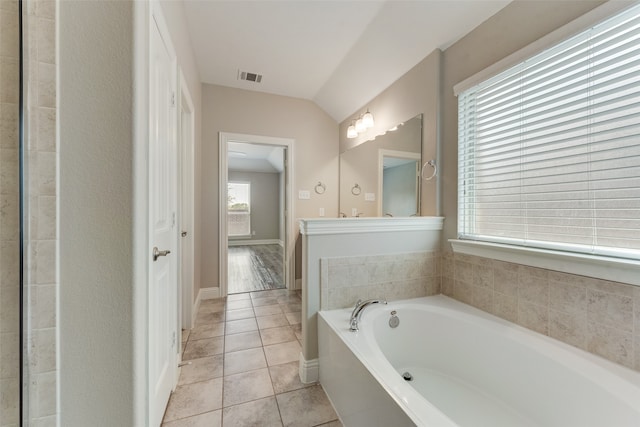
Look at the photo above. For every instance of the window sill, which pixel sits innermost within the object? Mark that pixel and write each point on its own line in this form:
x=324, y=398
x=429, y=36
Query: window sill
x=600, y=267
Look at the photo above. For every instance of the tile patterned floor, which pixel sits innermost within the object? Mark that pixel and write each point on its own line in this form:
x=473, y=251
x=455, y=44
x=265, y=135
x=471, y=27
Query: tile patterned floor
x=244, y=367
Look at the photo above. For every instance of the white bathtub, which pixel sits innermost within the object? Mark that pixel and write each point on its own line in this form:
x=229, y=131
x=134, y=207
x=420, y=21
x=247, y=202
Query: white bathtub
x=470, y=369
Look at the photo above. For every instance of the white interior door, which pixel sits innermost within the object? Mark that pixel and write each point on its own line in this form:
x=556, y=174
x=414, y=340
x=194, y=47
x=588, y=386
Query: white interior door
x=163, y=286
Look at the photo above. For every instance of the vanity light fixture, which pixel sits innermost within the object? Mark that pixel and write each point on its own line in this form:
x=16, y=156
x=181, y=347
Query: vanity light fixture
x=361, y=124
x=367, y=119
x=351, y=131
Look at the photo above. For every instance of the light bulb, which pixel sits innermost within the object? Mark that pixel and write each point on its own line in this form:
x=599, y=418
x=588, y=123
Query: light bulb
x=367, y=119
x=360, y=127
x=351, y=131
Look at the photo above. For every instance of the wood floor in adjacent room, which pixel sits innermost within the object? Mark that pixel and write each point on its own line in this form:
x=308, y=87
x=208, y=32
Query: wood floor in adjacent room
x=255, y=268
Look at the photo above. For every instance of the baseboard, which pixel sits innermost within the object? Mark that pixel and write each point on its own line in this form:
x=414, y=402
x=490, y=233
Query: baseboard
x=298, y=284
x=196, y=308
x=208, y=293
x=254, y=242
x=309, y=370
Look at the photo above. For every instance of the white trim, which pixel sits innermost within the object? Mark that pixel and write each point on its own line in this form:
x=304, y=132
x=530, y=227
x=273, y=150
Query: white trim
x=298, y=284
x=208, y=293
x=319, y=226
x=290, y=232
x=309, y=370
x=574, y=27
x=600, y=267
x=196, y=308
x=249, y=242
x=186, y=161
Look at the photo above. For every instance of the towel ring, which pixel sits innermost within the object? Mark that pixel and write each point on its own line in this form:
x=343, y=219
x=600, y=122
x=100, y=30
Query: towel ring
x=431, y=163
x=320, y=188
x=356, y=190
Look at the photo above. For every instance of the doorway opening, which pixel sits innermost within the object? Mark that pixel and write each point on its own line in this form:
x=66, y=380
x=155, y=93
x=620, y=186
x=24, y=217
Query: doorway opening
x=256, y=253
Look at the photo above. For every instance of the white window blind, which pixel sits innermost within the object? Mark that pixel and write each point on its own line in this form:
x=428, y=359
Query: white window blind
x=549, y=150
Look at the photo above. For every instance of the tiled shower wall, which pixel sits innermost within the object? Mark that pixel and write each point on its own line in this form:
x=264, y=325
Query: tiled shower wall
x=598, y=316
x=345, y=280
x=42, y=200
x=9, y=215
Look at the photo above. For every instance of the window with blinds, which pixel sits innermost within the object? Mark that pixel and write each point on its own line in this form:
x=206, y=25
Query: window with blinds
x=549, y=150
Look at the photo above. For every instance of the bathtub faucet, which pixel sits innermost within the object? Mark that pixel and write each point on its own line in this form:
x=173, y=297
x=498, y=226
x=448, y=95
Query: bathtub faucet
x=357, y=312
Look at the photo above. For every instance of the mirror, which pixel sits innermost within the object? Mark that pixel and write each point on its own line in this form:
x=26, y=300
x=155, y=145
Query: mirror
x=381, y=177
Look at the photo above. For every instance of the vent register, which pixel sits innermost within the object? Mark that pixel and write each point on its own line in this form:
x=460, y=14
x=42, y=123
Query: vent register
x=250, y=77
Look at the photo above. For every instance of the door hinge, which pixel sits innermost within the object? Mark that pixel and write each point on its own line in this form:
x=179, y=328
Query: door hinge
x=173, y=339
x=173, y=99
x=173, y=220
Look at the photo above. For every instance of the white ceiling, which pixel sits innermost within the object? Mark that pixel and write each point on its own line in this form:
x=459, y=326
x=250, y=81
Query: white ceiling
x=338, y=53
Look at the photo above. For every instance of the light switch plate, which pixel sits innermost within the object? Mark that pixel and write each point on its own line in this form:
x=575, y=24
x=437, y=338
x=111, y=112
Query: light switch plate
x=370, y=197
x=304, y=194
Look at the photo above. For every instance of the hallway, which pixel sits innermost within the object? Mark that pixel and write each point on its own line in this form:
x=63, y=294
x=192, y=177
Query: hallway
x=244, y=367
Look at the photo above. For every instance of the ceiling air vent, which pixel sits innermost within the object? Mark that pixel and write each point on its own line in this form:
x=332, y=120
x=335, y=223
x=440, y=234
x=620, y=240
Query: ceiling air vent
x=250, y=77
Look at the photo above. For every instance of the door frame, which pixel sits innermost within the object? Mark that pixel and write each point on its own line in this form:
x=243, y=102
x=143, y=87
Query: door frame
x=289, y=243
x=186, y=200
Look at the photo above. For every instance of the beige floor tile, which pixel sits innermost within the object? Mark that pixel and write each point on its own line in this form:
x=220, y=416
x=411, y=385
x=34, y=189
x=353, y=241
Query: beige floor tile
x=297, y=329
x=272, y=321
x=294, y=318
x=335, y=423
x=242, y=325
x=277, y=335
x=243, y=303
x=208, y=419
x=211, y=306
x=209, y=330
x=285, y=352
x=194, y=399
x=286, y=377
x=262, y=412
x=267, y=310
x=241, y=313
x=242, y=341
x=264, y=301
x=289, y=299
x=308, y=406
x=247, y=386
x=244, y=360
x=291, y=307
x=203, y=348
x=201, y=369
x=272, y=293
x=204, y=318
x=236, y=297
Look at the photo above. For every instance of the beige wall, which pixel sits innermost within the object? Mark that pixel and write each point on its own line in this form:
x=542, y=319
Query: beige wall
x=315, y=154
x=416, y=92
x=264, y=201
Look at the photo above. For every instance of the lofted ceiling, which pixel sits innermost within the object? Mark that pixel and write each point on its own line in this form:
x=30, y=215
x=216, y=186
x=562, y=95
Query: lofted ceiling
x=338, y=53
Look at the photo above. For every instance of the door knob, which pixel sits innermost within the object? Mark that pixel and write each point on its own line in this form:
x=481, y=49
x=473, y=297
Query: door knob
x=183, y=234
x=157, y=253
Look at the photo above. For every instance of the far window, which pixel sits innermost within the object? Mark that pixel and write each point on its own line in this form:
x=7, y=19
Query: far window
x=239, y=209
x=549, y=150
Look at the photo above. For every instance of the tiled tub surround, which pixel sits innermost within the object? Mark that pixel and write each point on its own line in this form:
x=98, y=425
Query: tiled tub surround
x=598, y=316
x=42, y=202
x=344, y=280
x=10, y=214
